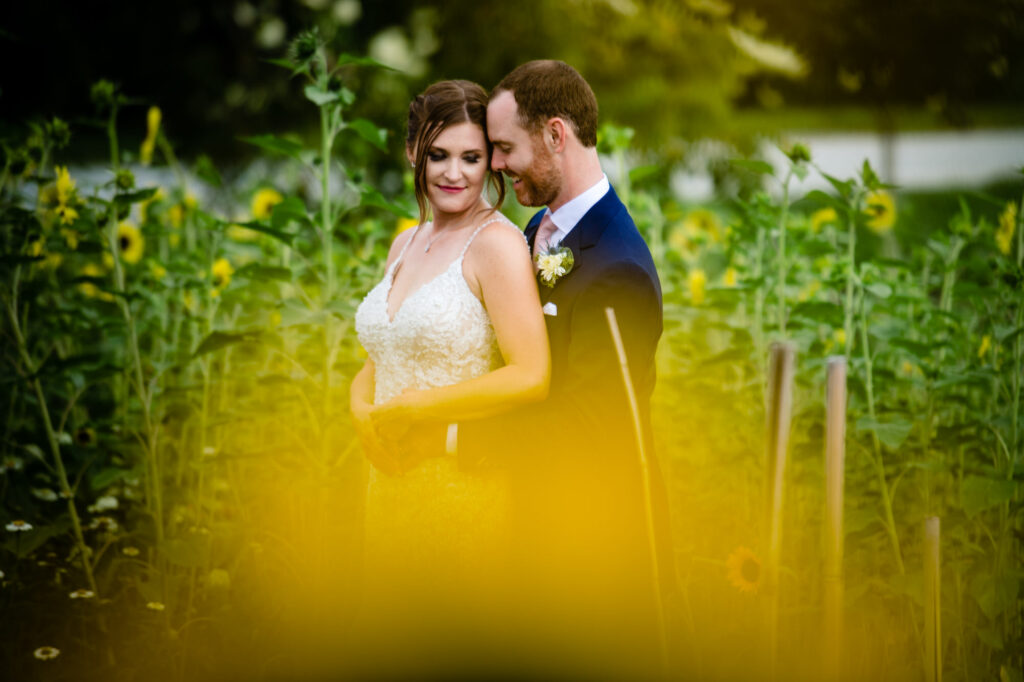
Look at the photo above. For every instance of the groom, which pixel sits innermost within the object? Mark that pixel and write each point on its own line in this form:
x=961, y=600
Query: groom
x=580, y=535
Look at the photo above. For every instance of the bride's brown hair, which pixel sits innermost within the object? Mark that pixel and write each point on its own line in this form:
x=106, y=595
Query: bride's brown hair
x=441, y=105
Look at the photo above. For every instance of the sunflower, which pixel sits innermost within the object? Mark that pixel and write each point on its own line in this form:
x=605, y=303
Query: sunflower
x=881, y=210
x=222, y=272
x=84, y=437
x=701, y=221
x=696, y=282
x=130, y=242
x=264, y=201
x=1007, y=226
x=65, y=185
x=90, y=289
x=986, y=344
x=176, y=215
x=152, y=127
x=823, y=217
x=744, y=570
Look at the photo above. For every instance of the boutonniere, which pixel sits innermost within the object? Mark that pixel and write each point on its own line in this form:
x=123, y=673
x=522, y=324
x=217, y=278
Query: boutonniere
x=553, y=263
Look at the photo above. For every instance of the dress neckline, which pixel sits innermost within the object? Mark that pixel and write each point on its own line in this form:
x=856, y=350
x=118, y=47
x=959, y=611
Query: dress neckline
x=394, y=268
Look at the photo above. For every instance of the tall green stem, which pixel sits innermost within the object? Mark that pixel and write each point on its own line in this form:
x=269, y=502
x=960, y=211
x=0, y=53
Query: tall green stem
x=51, y=435
x=883, y=484
x=139, y=381
x=781, y=285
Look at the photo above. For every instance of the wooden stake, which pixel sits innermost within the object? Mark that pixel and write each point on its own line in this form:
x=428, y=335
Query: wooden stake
x=835, y=454
x=779, y=411
x=620, y=349
x=932, y=602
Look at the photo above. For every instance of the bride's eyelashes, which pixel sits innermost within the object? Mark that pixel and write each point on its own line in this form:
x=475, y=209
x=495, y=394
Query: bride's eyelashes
x=438, y=156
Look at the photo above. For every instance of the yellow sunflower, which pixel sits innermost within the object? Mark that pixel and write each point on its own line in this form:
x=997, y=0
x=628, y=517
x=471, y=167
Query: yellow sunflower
x=701, y=221
x=130, y=242
x=152, y=128
x=263, y=202
x=222, y=272
x=90, y=289
x=1007, y=228
x=176, y=215
x=986, y=344
x=696, y=282
x=823, y=217
x=65, y=185
x=744, y=570
x=881, y=210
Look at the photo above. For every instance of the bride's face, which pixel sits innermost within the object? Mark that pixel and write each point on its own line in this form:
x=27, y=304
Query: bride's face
x=456, y=168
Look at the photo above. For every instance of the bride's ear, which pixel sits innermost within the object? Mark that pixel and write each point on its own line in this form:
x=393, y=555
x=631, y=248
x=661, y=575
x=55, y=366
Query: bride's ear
x=410, y=154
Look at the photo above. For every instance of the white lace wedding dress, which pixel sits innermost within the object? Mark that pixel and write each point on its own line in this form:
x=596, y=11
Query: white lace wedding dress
x=433, y=533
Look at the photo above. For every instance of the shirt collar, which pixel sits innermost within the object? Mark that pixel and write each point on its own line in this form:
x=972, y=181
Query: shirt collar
x=566, y=217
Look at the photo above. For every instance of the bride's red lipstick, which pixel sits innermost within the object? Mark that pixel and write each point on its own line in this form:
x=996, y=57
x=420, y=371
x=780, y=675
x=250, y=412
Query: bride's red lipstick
x=449, y=189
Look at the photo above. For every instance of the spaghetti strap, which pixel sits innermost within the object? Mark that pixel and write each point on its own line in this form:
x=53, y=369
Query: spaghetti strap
x=495, y=219
x=405, y=246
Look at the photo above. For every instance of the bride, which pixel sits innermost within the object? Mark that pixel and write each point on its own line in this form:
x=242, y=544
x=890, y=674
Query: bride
x=453, y=332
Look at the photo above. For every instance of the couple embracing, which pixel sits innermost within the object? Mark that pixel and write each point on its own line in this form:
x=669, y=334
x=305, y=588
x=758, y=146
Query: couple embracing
x=505, y=517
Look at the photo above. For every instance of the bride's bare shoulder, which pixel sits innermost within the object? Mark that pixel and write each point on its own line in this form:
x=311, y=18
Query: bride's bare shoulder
x=500, y=238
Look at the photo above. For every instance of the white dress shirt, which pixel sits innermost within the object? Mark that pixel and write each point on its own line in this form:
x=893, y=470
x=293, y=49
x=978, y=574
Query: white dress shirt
x=566, y=217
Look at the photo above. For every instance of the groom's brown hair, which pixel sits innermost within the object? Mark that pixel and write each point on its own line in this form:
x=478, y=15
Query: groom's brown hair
x=547, y=88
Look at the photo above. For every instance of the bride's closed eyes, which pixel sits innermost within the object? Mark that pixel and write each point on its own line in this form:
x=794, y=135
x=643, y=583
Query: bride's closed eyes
x=437, y=155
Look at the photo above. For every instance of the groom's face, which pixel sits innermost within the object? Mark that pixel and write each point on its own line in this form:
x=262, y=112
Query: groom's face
x=520, y=155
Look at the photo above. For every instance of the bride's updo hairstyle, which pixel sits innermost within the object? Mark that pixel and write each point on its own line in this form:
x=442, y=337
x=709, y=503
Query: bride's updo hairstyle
x=441, y=105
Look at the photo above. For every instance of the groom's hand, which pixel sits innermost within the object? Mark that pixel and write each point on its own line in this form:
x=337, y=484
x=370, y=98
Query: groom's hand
x=393, y=420
x=421, y=443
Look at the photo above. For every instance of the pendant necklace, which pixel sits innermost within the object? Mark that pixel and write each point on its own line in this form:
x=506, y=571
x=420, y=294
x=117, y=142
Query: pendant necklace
x=431, y=240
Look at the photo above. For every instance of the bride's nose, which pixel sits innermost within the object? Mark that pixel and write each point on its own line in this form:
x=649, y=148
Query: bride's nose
x=453, y=169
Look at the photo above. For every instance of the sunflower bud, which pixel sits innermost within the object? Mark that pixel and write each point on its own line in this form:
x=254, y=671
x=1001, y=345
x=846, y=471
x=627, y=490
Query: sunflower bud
x=125, y=179
x=799, y=153
x=59, y=132
x=304, y=47
x=104, y=94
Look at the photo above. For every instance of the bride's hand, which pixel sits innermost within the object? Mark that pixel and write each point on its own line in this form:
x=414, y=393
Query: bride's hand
x=392, y=420
x=383, y=459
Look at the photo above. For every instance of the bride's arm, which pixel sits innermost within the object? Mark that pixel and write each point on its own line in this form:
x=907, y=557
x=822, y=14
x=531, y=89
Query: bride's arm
x=499, y=262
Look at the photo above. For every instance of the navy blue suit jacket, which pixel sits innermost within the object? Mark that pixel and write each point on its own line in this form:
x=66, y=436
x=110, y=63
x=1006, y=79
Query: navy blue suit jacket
x=587, y=405
x=577, y=487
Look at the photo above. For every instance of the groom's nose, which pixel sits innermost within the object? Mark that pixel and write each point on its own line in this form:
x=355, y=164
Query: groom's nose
x=498, y=161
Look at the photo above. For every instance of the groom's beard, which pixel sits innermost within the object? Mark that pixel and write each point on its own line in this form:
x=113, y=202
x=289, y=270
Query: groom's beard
x=541, y=183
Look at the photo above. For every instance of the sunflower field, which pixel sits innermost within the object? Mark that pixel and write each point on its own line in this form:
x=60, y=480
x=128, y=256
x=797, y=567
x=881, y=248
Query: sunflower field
x=180, y=485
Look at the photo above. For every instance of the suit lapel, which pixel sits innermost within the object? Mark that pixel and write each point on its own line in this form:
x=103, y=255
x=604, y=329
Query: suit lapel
x=584, y=235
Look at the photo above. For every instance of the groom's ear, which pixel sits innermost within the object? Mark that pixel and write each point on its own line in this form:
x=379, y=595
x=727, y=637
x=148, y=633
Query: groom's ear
x=555, y=131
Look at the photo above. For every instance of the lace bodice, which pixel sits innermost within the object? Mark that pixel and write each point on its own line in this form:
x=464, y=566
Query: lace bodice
x=440, y=335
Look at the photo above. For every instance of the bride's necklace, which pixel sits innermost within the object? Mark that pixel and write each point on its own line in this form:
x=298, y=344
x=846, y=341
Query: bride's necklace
x=431, y=240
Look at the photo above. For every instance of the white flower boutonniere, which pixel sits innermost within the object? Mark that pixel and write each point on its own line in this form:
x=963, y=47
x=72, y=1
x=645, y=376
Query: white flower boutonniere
x=553, y=263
